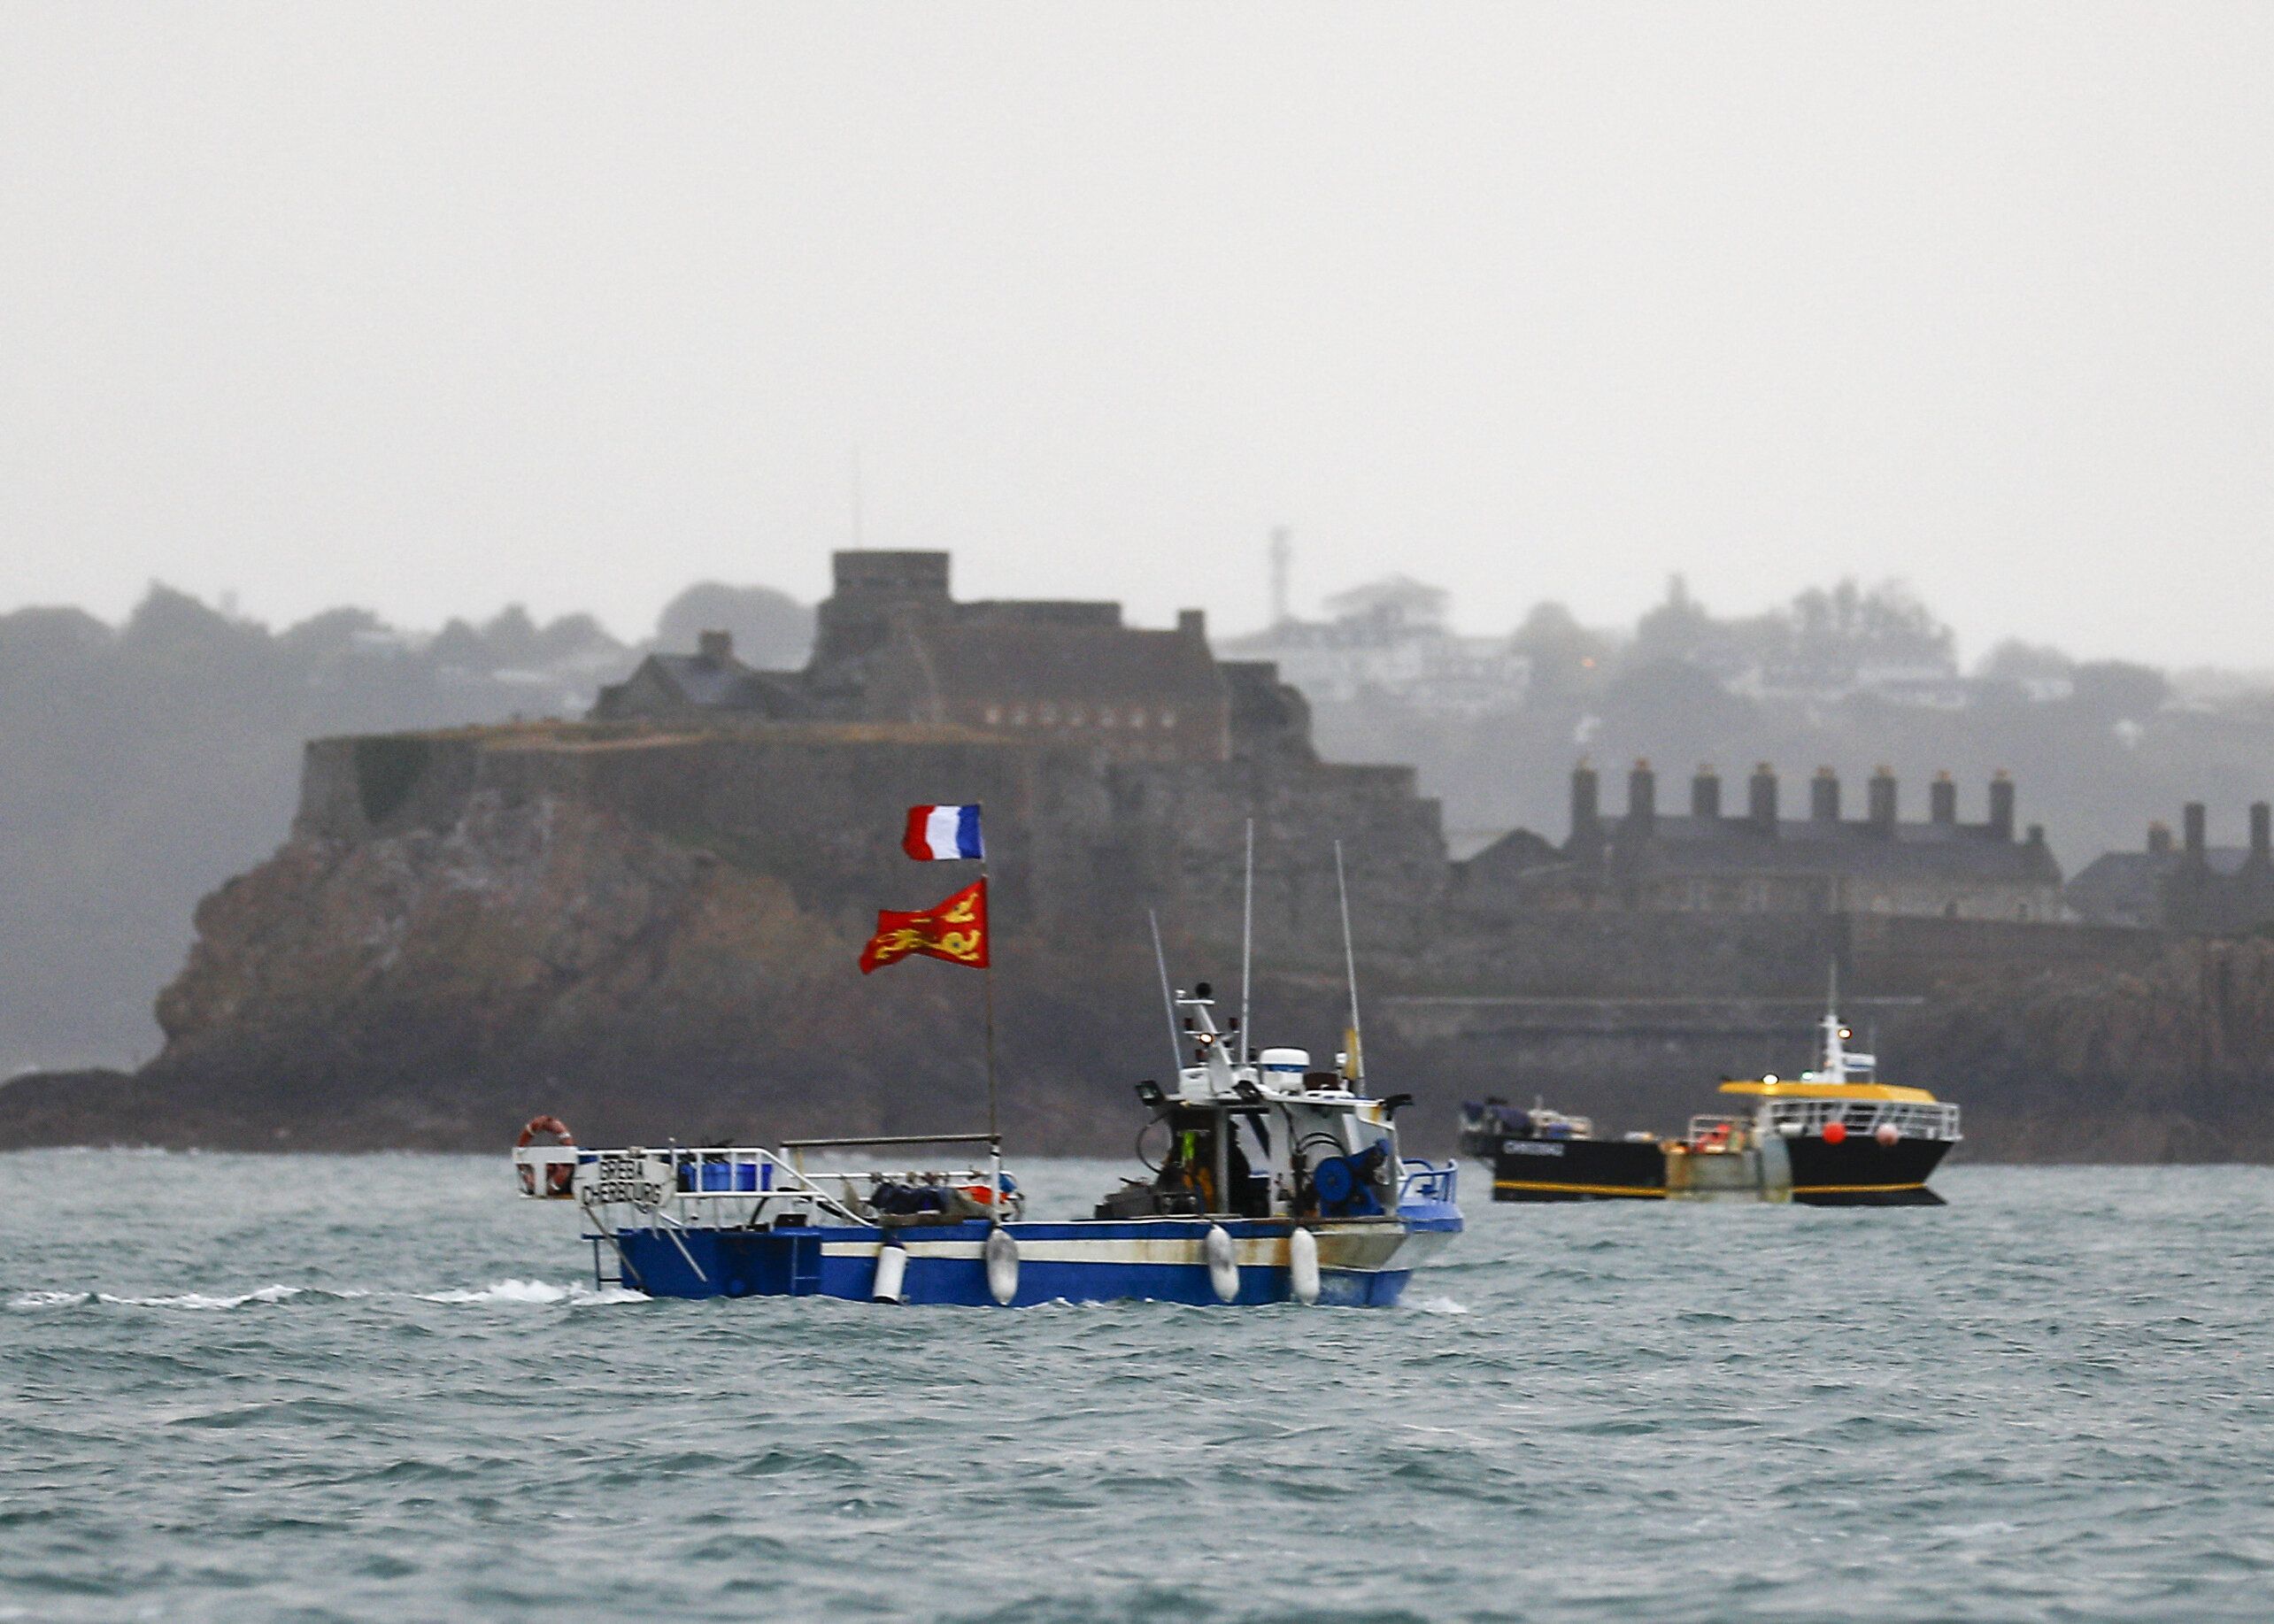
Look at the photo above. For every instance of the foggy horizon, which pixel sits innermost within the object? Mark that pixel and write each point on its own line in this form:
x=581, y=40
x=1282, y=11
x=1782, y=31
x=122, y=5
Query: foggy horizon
x=433, y=312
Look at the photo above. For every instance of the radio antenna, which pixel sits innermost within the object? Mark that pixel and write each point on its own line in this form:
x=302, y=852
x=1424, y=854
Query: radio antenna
x=1247, y=946
x=1350, y=968
x=1167, y=998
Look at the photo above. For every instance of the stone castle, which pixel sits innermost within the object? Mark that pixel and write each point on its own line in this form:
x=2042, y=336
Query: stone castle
x=1119, y=765
x=892, y=645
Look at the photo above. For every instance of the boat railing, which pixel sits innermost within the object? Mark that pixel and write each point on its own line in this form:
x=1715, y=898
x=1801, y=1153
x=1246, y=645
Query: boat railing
x=741, y=1186
x=1718, y=1132
x=1426, y=1180
x=713, y=1186
x=1910, y=1119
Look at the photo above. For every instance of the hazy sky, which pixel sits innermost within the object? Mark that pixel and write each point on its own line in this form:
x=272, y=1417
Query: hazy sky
x=435, y=308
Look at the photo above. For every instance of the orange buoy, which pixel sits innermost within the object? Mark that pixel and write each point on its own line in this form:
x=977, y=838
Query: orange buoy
x=1886, y=1133
x=1835, y=1131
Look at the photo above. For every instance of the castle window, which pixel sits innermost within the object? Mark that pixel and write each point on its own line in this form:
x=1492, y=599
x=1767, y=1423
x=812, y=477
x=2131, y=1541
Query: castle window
x=994, y=716
x=1019, y=716
x=1049, y=715
x=1137, y=718
x=1074, y=716
x=1169, y=719
x=1105, y=718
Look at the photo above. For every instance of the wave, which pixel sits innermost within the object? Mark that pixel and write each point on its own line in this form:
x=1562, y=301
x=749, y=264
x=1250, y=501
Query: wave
x=269, y=1294
x=537, y=1292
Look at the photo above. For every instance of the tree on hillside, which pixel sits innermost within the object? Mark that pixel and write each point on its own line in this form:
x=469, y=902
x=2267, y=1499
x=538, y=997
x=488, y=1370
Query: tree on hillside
x=772, y=630
x=1566, y=657
x=2116, y=690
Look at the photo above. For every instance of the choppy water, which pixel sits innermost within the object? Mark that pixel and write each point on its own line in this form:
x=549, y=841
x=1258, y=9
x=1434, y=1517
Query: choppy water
x=327, y=1388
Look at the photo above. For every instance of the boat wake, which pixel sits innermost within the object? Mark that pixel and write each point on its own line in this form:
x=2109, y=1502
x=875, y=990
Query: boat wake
x=534, y=1292
x=509, y=1292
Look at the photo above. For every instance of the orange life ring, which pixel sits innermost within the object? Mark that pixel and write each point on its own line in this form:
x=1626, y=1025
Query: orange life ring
x=560, y=1177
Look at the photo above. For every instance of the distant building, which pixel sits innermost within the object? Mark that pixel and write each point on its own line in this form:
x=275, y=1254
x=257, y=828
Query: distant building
x=1827, y=676
x=2198, y=889
x=1388, y=640
x=1755, y=860
x=892, y=645
x=709, y=681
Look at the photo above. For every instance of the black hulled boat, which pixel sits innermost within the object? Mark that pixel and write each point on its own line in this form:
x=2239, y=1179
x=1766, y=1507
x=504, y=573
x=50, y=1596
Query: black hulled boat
x=1833, y=1136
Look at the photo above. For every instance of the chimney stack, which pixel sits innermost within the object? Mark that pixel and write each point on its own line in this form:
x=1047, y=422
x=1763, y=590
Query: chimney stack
x=1642, y=799
x=1942, y=800
x=2261, y=836
x=717, y=647
x=1761, y=809
x=1705, y=795
x=2002, y=805
x=1883, y=803
x=1586, y=822
x=1823, y=796
x=1193, y=623
x=2159, y=838
x=2192, y=817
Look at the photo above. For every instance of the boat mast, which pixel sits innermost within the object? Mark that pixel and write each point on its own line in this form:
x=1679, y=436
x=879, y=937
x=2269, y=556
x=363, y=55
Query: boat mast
x=1834, y=1061
x=1247, y=1049
x=1167, y=998
x=1349, y=969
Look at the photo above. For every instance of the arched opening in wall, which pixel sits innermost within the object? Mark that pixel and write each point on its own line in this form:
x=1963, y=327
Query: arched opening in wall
x=1950, y=910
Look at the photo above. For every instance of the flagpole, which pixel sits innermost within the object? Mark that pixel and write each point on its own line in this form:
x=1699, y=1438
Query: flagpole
x=987, y=975
x=987, y=971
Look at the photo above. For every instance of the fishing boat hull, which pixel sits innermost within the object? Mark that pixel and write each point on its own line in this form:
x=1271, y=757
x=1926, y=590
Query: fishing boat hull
x=1579, y=1170
x=1859, y=1172
x=1361, y=1264
x=1808, y=1170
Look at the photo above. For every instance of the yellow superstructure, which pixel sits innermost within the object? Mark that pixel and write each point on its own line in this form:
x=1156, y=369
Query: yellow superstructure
x=1785, y=1087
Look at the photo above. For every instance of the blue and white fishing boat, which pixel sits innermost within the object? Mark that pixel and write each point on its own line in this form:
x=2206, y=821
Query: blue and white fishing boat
x=1276, y=1182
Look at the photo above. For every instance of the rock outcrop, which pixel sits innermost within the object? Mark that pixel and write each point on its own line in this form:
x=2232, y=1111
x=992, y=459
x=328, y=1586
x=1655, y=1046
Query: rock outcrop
x=2171, y=1061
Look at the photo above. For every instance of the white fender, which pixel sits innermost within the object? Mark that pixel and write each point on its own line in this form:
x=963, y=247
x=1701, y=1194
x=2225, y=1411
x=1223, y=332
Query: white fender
x=892, y=1274
x=1303, y=1265
x=1002, y=1266
x=1223, y=1268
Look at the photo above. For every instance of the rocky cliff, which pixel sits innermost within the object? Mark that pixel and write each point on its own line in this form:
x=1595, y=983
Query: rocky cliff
x=653, y=935
x=2171, y=1060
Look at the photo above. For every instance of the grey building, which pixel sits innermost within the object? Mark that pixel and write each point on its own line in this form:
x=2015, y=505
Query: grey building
x=2195, y=887
x=1753, y=858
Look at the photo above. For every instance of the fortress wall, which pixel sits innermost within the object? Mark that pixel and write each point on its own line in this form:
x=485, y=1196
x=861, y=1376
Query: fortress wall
x=1189, y=823
x=1938, y=956
x=1078, y=843
x=1616, y=953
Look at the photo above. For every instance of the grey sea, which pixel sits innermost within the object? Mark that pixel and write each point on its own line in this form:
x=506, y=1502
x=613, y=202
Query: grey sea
x=319, y=1388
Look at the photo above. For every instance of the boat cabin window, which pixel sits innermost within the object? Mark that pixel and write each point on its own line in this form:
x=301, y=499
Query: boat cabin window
x=1195, y=1162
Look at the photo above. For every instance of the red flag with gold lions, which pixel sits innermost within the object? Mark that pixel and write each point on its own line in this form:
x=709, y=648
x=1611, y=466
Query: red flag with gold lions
x=956, y=930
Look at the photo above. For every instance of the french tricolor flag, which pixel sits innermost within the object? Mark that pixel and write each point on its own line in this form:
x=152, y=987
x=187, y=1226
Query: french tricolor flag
x=938, y=834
